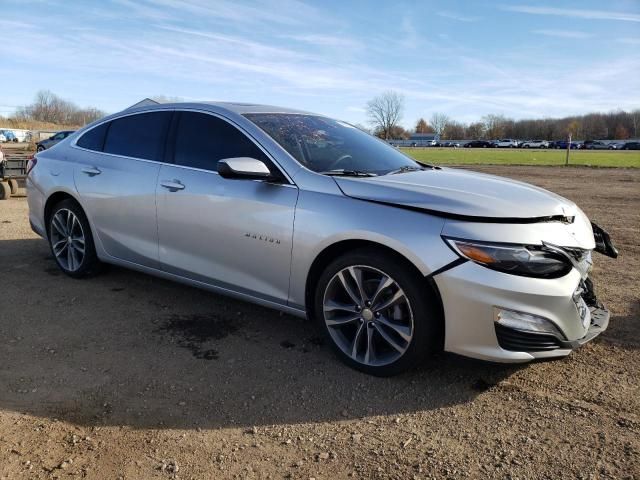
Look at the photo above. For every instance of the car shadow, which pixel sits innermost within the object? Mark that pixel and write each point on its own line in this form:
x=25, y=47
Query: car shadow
x=125, y=348
x=623, y=330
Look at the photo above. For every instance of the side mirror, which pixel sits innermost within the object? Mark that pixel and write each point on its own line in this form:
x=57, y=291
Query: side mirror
x=243, y=168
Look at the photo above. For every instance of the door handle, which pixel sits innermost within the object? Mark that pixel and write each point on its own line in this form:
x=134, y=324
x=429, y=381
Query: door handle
x=92, y=171
x=172, y=186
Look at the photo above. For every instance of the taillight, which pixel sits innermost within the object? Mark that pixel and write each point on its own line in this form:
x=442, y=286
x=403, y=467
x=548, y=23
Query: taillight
x=31, y=163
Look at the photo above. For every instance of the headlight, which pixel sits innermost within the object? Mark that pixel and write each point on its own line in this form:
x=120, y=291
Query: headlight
x=523, y=260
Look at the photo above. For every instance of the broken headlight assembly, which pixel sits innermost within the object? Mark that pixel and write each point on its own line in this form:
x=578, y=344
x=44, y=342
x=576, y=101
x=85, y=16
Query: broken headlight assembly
x=536, y=261
x=604, y=245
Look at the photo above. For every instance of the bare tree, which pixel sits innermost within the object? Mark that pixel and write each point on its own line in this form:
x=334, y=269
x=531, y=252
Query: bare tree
x=573, y=128
x=166, y=99
x=494, y=125
x=385, y=111
x=359, y=126
x=439, y=122
x=621, y=133
x=423, y=127
x=635, y=122
x=475, y=130
x=453, y=131
x=48, y=107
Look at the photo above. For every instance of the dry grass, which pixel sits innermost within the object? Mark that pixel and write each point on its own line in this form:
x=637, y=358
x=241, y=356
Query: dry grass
x=34, y=125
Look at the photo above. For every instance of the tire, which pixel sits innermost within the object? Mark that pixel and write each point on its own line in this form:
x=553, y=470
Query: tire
x=41, y=148
x=74, y=265
x=13, y=186
x=5, y=191
x=416, y=312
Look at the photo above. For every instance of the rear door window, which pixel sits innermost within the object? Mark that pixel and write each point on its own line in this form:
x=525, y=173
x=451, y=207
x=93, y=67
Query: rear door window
x=140, y=136
x=202, y=140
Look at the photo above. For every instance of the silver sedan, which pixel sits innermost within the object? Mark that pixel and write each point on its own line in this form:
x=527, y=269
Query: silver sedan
x=393, y=259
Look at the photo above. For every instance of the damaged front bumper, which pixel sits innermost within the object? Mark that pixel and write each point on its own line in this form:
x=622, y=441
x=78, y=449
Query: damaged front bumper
x=592, y=314
x=508, y=318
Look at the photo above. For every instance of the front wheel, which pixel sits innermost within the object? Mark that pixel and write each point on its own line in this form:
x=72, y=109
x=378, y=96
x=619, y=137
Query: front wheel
x=71, y=241
x=40, y=148
x=380, y=316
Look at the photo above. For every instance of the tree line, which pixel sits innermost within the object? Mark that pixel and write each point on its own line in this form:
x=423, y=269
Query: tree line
x=385, y=113
x=50, y=108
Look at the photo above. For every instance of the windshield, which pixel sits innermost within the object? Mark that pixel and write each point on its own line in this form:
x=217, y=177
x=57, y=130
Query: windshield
x=324, y=145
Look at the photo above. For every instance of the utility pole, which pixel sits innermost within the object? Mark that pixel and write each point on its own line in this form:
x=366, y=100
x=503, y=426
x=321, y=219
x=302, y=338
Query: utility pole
x=566, y=162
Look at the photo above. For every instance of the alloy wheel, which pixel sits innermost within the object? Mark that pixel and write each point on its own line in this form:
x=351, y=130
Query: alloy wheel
x=368, y=315
x=67, y=239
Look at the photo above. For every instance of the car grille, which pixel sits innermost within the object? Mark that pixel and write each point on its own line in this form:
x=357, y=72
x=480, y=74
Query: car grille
x=519, y=341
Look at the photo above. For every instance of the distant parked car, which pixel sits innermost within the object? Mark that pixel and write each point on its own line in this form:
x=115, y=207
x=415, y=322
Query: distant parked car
x=505, y=143
x=51, y=141
x=8, y=136
x=596, y=145
x=535, y=144
x=562, y=144
x=631, y=146
x=478, y=144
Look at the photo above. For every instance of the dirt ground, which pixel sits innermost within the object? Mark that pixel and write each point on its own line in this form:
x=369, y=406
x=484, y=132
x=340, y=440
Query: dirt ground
x=127, y=376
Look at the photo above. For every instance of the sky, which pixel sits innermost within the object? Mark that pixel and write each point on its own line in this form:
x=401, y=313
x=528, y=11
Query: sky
x=521, y=59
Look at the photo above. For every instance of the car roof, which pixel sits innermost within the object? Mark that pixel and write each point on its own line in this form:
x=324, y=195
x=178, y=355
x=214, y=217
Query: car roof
x=235, y=107
x=254, y=108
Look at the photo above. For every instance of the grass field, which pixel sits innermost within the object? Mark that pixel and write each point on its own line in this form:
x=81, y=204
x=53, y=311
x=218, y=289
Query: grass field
x=494, y=156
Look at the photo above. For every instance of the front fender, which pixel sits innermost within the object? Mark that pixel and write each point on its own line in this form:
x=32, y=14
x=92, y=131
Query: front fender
x=323, y=220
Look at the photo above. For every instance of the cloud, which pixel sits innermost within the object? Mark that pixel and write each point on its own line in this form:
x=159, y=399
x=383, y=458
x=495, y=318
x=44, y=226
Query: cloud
x=323, y=40
x=5, y=24
x=262, y=13
x=562, y=33
x=95, y=60
x=629, y=40
x=458, y=17
x=259, y=49
x=573, y=13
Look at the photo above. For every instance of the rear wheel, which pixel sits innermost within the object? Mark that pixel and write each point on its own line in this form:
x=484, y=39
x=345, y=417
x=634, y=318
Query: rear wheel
x=40, y=148
x=13, y=186
x=5, y=191
x=71, y=241
x=379, y=315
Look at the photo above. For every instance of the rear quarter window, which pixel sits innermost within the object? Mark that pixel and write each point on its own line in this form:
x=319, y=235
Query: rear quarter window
x=94, y=138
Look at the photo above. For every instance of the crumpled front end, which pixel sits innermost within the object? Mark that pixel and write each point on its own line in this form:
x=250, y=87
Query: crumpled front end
x=506, y=317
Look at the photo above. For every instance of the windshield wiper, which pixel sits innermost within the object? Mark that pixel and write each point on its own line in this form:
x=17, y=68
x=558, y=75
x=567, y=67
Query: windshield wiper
x=348, y=173
x=407, y=168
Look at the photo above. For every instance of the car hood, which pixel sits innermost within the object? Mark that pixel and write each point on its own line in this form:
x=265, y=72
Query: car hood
x=462, y=194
